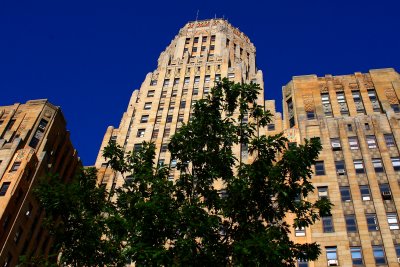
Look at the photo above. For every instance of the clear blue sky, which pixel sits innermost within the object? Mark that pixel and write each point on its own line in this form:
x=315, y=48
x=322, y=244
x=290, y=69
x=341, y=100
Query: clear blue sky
x=88, y=56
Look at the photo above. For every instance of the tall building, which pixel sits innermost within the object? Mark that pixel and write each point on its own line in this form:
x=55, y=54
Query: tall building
x=33, y=143
x=356, y=118
x=202, y=53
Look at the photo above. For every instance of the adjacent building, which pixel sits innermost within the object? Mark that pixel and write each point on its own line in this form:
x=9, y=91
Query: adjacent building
x=356, y=118
x=33, y=142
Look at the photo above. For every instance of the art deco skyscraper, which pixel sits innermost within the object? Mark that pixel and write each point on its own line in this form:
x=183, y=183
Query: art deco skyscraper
x=356, y=118
x=202, y=53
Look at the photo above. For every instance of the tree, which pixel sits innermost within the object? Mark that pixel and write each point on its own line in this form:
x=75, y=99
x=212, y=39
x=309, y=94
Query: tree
x=221, y=211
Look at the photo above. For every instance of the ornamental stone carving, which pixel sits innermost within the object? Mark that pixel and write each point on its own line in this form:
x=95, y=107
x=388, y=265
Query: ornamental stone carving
x=391, y=96
x=308, y=103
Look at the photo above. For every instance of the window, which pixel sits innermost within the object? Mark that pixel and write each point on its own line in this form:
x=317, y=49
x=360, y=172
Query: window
x=342, y=103
x=345, y=193
x=365, y=193
x=140, y=133
x=217, y=77
x=335, y=144
x=271, y=127
x=153, y=82
x=378, y=166
x=358, y=101
x=158, y=119
x=349, y=127
x=163, y=94
x=385, y=191
x=176, y=81
x=331, y=254
x=167, y=132
x=397, y=248
x=187, y=80
x=371, y=141
x=359, y=166
x=180, y=117
x=195, y=91
x=351, y=223
x=187, y=41
x=207, y=78
x=184, y=92
x=203, y=48
x=300, y=231
x=212, y=38
x=322, y=192
x=204, y=39
x=392, y=221
x=173, y=163
x=379, y=254
x=353, y=142
x=319, y=168
x=137, y=147
x=389, y=140
x=395, y=107
x=327, y=224
x=340, y=167
x=161, y=162
x=356, y=255
x=196, y=40
x=194, y=49
x=396, y=163
x=196, y=79
x=164, y=148
x=231, y=75
x=310, y=115
x=206, y=91
x=169, y=118
x=166, y=82
x=374, y=100
x=144, y=119
x=15, y=166
x=367, y=127
x=372, y=222
x=4, y=187
x=17, y=235
x=147, y=105
x=326, y=104
x=212, y=47
x=302, y=263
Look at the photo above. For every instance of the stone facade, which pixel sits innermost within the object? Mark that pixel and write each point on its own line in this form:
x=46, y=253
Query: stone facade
x=33, y=142
x=356, y=118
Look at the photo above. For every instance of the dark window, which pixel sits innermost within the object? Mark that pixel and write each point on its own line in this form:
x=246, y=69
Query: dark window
x=397, y=248
x=195, y=91
x=310, y=115
x=372, y=222
x=203, y=48
x=204, y=39
x=340, y=167
x=301, y=263
x=169, y=118
x=166, y=82
x=271, y=127
x=155, y=133
x=147, y=105
x=378, y=166
x=140, y=133
x=15, y=166
x=389, y=140
x=351, y=223
x=356, y=255
x=164, y=148
x=212, y=47
x=359, y=166
x=137, y=147
x=349, y=127
x=327, y=224
x=353, y=142
x=196, y=39
x=365, y=193
x=371, y=141
x=4, y=188
x=345, y=193
x=319, y=168
x=335, y=144
x=385, y=191
x=379, y=254
x=194, y=49
x=396, y=163
x=187, y=41
x=212, y=38
x=182, y=104
x=367, y=127
x=153, y=82
x=395, y=108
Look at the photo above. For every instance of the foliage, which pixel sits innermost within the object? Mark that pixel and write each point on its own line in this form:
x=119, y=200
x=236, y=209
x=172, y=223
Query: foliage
x=223, y=210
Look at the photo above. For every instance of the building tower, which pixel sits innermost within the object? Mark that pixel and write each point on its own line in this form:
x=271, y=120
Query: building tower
x=202, y=53
x=33, y=143
x=356, y=118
